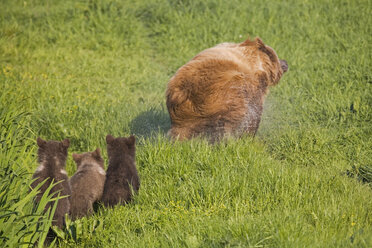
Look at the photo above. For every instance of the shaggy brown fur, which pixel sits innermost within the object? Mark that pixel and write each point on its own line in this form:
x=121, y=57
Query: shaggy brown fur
x=221, y=91
x=87, y=183
x=121, y=174
x=52, y=158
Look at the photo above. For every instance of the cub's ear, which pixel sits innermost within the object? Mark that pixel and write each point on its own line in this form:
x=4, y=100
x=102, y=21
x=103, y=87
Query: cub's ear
x=131, y=140
x=40, y=142
x=97, y=153
x=76, y=157
x=259, y=43
x=109, y=139
x=66, y=143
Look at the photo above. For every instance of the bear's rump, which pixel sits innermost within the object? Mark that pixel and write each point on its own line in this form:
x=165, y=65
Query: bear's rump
x=225, y=107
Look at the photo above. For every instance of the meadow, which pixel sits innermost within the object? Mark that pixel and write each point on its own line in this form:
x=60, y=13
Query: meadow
x=85, y=69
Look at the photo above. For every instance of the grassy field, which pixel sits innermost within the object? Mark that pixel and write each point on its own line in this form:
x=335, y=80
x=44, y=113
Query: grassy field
x=84, y=69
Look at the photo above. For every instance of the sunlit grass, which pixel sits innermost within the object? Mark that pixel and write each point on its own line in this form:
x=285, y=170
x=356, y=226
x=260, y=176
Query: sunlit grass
x=82, y=70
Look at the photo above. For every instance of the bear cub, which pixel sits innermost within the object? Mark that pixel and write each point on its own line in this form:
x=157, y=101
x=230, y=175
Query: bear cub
x=87, y=183
x=122, y=175
x=52, y=160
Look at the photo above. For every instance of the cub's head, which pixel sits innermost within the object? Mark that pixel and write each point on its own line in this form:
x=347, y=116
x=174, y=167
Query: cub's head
x=117, y=147
x=53, y=150
x=266, y=60
x=89, y=158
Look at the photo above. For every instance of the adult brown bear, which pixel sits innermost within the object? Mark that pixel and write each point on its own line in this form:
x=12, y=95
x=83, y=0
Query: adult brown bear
x=221, y=91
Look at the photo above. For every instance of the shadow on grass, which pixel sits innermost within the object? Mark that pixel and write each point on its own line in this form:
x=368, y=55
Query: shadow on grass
x=150, y=122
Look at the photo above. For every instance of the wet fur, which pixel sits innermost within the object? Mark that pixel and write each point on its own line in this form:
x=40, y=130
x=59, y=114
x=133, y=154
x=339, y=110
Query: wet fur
x=121, y=175
x=221, y=91
x=87, y=183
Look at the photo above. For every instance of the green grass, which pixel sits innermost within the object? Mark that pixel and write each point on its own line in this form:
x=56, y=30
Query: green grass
x=84, y=69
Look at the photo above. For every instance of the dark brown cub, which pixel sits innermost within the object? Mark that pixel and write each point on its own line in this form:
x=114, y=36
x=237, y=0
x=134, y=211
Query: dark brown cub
x=52, y=159
x=122, y=175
